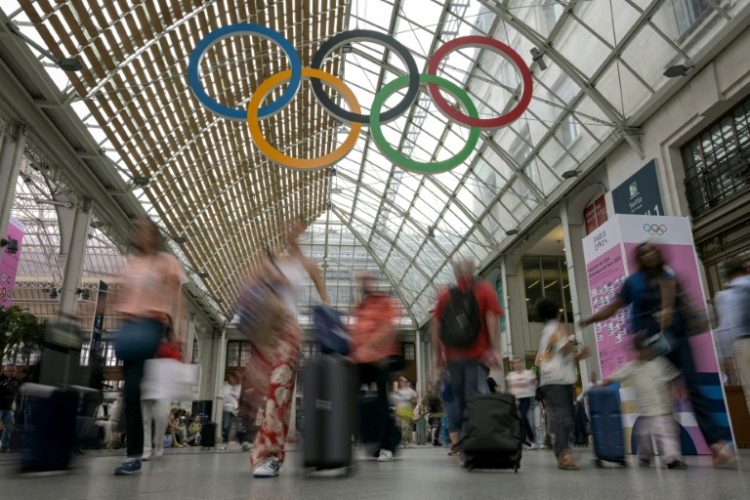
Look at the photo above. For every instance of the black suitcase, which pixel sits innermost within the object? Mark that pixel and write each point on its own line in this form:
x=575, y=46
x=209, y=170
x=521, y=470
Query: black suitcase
x=208, y=435
x=492, y=433
x=329, y=404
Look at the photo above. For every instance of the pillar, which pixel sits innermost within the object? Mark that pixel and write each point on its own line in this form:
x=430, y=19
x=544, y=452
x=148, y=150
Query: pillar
x=74, y=216
x=219, y=361
x=12, y=149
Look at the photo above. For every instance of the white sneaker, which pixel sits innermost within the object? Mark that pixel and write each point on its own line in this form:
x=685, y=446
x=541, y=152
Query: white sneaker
x=158, y=453
x=267, y=468
x=146, y=455
x=385, y=456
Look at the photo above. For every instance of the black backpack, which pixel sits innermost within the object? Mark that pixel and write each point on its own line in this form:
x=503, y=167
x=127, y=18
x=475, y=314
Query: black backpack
x=461, y=321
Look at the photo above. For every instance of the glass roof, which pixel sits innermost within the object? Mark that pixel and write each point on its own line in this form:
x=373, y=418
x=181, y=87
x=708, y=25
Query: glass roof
x=595, y=65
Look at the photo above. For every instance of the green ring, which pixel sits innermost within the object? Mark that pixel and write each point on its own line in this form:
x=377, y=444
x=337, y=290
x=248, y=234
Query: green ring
x=407, y=163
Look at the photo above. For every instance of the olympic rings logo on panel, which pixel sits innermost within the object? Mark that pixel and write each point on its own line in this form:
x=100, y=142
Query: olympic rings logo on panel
x=412, y=81
x=655, y=229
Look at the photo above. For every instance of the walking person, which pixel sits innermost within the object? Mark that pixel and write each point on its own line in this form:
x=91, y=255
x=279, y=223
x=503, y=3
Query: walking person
x=420, y=423
x=149, y=303
x=405, y=398
x=376, y=352
x=557, y=359
x=733, y=333
x=651, y=378
x=230, y=404
x=464, y=336
x=270, y=381
x=9, y=385
x=658, y=308
x=522, y=384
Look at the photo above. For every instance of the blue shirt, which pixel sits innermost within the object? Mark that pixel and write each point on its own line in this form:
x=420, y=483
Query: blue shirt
x=644, y=296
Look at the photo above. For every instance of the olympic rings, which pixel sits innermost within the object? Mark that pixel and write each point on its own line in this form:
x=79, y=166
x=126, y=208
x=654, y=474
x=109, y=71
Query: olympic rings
x=407, y=163
x=253, y=29
x=412, y=81
x=655, y=229
x=277, y=156
x=481, y=41
x=346, y=37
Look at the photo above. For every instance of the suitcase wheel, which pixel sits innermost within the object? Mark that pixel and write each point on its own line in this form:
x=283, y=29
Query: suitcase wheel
x=599, y=464
x=623, y=463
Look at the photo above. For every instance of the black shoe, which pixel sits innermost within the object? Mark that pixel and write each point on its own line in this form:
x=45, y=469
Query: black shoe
x=677, y=464
x=644, y=462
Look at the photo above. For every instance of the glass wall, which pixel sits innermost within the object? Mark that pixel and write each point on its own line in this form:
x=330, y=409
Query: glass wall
x=546, y=277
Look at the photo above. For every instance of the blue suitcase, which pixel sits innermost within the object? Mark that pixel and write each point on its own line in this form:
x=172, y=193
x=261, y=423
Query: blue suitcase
x=606, y=425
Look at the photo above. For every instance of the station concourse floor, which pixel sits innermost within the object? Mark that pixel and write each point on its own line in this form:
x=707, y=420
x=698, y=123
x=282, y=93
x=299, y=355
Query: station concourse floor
x=417, y=474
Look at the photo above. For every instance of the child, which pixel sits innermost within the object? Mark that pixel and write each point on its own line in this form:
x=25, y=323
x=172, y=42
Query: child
x=651, y=377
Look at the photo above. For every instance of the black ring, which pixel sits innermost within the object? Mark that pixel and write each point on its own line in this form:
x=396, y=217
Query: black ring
x=346, y=37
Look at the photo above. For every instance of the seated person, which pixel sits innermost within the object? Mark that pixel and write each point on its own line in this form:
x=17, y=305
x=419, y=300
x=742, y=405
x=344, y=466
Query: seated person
x=194, y=432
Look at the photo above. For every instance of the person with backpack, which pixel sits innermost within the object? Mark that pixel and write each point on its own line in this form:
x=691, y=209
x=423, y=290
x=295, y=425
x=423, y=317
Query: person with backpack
x=733, y=333
x=464, y=336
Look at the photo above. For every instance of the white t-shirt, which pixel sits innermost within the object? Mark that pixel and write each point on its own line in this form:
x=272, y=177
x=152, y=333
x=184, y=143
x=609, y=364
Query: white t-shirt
x=556, y=367
x=522, y=384
x=231, y=397
x=650, y=380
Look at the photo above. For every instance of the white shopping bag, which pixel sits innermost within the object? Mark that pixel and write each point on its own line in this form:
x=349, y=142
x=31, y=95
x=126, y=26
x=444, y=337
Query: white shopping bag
x=167, y=378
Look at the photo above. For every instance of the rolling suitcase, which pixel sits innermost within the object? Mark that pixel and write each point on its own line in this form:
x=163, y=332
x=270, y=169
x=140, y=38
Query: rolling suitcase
x=208, y=435
x=606, y=425
x=492, y=433
x=330, y=385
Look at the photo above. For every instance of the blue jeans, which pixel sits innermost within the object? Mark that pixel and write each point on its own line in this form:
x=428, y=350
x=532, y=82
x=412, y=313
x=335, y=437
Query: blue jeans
x=8, y=425
x=468, y=378
x=227, y=417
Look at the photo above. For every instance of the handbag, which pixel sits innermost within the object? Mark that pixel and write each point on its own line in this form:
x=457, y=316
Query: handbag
x=660, y=344
x=170, y=379
x=138, y=339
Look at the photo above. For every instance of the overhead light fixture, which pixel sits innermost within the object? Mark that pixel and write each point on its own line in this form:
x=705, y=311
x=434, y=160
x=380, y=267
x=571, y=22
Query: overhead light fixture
x=538, y=57
x=431, y=232
x=140, y=181
x=203, y=275
x=346, y=48
x=10, y=244
x=511, y=232
x=179, y=239
x=570, y=174
x=677, y=70
x=95, y=224
x=71, y=64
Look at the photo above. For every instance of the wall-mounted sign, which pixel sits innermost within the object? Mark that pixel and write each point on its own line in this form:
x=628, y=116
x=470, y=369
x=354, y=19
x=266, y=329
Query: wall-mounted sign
x=595, y=214
x=9, y=263
x=639, y=195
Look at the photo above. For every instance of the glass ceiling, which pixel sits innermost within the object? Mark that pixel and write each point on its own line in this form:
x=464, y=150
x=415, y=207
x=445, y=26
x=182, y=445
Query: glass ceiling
x=598, y=63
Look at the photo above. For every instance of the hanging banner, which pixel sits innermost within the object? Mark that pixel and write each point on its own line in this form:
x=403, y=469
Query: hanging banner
x=10, y=256
x=595, y=214
x=640, y=193
x=609, y=253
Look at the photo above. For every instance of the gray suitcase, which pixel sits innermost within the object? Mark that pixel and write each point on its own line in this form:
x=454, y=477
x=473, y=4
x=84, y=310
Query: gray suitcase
x=329, y=405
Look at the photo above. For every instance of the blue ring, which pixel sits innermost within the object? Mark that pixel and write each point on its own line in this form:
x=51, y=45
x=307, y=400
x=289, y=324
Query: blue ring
x=254, y=29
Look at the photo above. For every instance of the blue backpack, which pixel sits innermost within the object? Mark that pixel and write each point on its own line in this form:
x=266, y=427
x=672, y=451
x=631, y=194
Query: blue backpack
x=330, y=332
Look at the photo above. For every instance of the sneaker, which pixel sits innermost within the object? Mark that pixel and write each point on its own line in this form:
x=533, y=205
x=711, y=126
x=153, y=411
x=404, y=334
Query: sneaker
x=158, y=453
x=129, y=467
x=385, y=456
x=267, y=468
x=677, y=464
x=146, y=455
x=566, y=462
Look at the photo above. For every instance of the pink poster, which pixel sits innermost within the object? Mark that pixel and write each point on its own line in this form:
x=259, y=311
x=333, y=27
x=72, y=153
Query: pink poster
x=9, y=263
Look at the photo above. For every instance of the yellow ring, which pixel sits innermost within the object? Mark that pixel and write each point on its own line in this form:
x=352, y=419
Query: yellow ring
x=277, y=156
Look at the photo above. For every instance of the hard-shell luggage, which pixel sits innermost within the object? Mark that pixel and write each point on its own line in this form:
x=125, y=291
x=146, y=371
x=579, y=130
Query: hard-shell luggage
x=606, y=425
x=492, y=433
x=208, y=435
x=329, y=409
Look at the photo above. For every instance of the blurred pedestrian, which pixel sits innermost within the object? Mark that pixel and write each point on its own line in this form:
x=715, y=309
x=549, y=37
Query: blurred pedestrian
x=9, y=385
x=405, y=398
x=376, y=351
x=650, y=377
x=420, y=423
x=230, y=404
x=733, y=333
x=270, y=380
x=464, y=338
x=557, y=359
x=149, y=303
x=659, y=308
x=522, y=384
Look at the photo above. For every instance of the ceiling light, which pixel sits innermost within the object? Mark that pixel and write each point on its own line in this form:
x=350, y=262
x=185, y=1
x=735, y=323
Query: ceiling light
x=203, y=275
x=65, y=64
x=570, y=174
x=511, y=232
x=538, y=57
x=179, y=239
x=140, y=180
x=677, y=70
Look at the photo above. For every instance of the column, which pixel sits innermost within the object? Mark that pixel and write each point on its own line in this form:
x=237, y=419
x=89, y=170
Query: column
x=420, y=382
x=219, y=362
x=74, y=217
x=12, y=149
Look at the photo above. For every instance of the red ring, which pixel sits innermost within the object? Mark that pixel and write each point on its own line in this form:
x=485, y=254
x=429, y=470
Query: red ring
x=457, y=115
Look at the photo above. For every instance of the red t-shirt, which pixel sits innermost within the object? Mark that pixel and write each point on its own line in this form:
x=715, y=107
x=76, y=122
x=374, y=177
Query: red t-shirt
x=370, y=343
x=487, y=300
